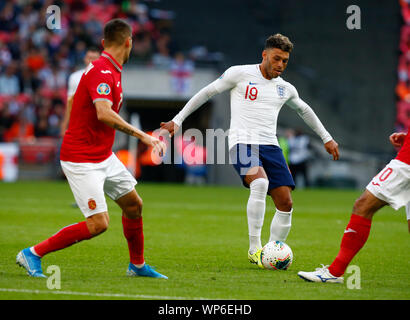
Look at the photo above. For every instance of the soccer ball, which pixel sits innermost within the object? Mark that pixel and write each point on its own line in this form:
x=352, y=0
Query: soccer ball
x=276, y=255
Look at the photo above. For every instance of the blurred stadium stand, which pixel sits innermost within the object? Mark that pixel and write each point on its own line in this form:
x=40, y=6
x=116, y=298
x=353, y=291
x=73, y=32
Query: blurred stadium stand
x=349, y=77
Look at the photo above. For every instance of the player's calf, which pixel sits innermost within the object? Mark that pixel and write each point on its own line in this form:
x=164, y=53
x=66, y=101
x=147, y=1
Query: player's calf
x=131, y=205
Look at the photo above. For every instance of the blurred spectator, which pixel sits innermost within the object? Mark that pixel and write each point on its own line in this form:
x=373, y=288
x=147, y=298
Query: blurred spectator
x=53, y=77
x=21, y=129
x=8, y=17
x=299, y=155
x=26, y=20
x=77, y=56
x=6, y=119
x=29, y=83
x=405, y=10
x=136, y=11
x=35, y=60
x=46, y=57
x=55, y=119
x=9, y=82
x=94, y=27
x=403, y=85
x=181, y=74
x=162, y=58
x=5, y=55
x=41, y=125
x=142, y=49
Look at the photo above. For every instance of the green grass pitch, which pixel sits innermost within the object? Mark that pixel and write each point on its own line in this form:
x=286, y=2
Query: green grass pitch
x=197, y=236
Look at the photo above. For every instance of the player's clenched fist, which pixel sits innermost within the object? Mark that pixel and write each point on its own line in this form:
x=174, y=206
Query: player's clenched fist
x=169, y=126
x=397, y=139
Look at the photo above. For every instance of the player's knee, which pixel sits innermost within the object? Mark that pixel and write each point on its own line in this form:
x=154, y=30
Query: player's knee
x=283, y=202
x=285, y=205
x=259, y=186
x=358, y=205
x=134, y=209
x=361, y=208
x=98, y=227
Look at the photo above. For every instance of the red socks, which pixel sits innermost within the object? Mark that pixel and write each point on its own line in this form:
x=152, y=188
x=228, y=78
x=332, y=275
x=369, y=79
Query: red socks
x=64, y=238
x=71, y=234
x=133, y=232
x=355, y=236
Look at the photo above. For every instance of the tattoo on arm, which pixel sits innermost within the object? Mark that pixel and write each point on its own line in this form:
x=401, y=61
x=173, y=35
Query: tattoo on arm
x=124, y=129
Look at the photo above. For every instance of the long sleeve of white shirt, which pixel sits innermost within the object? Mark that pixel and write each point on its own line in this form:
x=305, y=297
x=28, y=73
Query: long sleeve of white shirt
x=255, y=104
x=225, y=82
x=308, y=115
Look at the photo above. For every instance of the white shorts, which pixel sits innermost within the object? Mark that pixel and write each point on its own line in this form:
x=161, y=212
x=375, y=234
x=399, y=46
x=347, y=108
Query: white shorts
x=392, y=184
x=89, y=182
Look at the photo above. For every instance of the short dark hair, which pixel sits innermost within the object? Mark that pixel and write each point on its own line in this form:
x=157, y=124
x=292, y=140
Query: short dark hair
x=279, y=41
x=116, y=31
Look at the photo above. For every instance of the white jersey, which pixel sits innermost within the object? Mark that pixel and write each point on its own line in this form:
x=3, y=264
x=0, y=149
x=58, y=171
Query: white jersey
x=255, y=105
x=73, y=82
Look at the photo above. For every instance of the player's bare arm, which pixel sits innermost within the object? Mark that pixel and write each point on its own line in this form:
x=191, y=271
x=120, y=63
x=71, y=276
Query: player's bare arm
x=66, y=119
x=114, y=120
x=397, y=139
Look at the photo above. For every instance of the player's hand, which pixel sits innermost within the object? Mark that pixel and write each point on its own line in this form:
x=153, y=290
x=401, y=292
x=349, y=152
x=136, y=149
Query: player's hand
x=397, y=139
x=332, y=148
x=169, y=127
x=157, y=145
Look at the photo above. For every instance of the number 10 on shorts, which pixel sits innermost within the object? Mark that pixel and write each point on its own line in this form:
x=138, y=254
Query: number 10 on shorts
x=383, y=175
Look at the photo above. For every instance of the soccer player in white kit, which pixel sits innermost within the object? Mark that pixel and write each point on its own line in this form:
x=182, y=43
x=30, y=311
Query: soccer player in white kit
x=73, y=80
x=257, y=95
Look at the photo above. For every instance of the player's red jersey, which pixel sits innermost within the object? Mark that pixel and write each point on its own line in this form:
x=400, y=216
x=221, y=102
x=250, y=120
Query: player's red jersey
x=87, y=139
x=404, y=153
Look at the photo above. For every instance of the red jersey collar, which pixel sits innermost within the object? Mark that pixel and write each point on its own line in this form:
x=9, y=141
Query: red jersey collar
x=112, y=60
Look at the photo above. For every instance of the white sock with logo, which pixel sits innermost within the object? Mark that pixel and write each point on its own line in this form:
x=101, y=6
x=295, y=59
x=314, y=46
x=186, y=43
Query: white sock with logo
x=256, y=212
x=280, y=226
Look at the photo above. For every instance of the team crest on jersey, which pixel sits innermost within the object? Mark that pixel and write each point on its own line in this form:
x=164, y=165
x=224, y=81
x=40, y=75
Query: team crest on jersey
x=103, y=88
x=92, y=204
x=281, y=91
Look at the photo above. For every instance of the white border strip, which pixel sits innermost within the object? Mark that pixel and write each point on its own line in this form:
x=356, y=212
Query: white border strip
x=106, y=295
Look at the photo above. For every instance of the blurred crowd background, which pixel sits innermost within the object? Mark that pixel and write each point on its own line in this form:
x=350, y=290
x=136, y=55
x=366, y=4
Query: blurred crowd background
x=403, y=84
x=35, y=62
x=348, y=77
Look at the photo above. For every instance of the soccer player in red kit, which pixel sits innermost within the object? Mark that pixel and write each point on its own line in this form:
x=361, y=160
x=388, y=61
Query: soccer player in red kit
x=89, y=164
x=390, y=187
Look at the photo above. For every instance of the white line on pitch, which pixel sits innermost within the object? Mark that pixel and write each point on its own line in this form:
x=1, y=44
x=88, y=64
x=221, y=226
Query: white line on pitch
x=95, y=294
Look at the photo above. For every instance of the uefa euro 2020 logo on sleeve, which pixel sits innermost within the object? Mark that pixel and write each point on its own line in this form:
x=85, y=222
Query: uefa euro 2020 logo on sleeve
x=103, y=88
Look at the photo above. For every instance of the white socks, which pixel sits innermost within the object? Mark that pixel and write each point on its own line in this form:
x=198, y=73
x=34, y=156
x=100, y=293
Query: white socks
x=281, y=222
x=256, y=212
x=280, y=226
